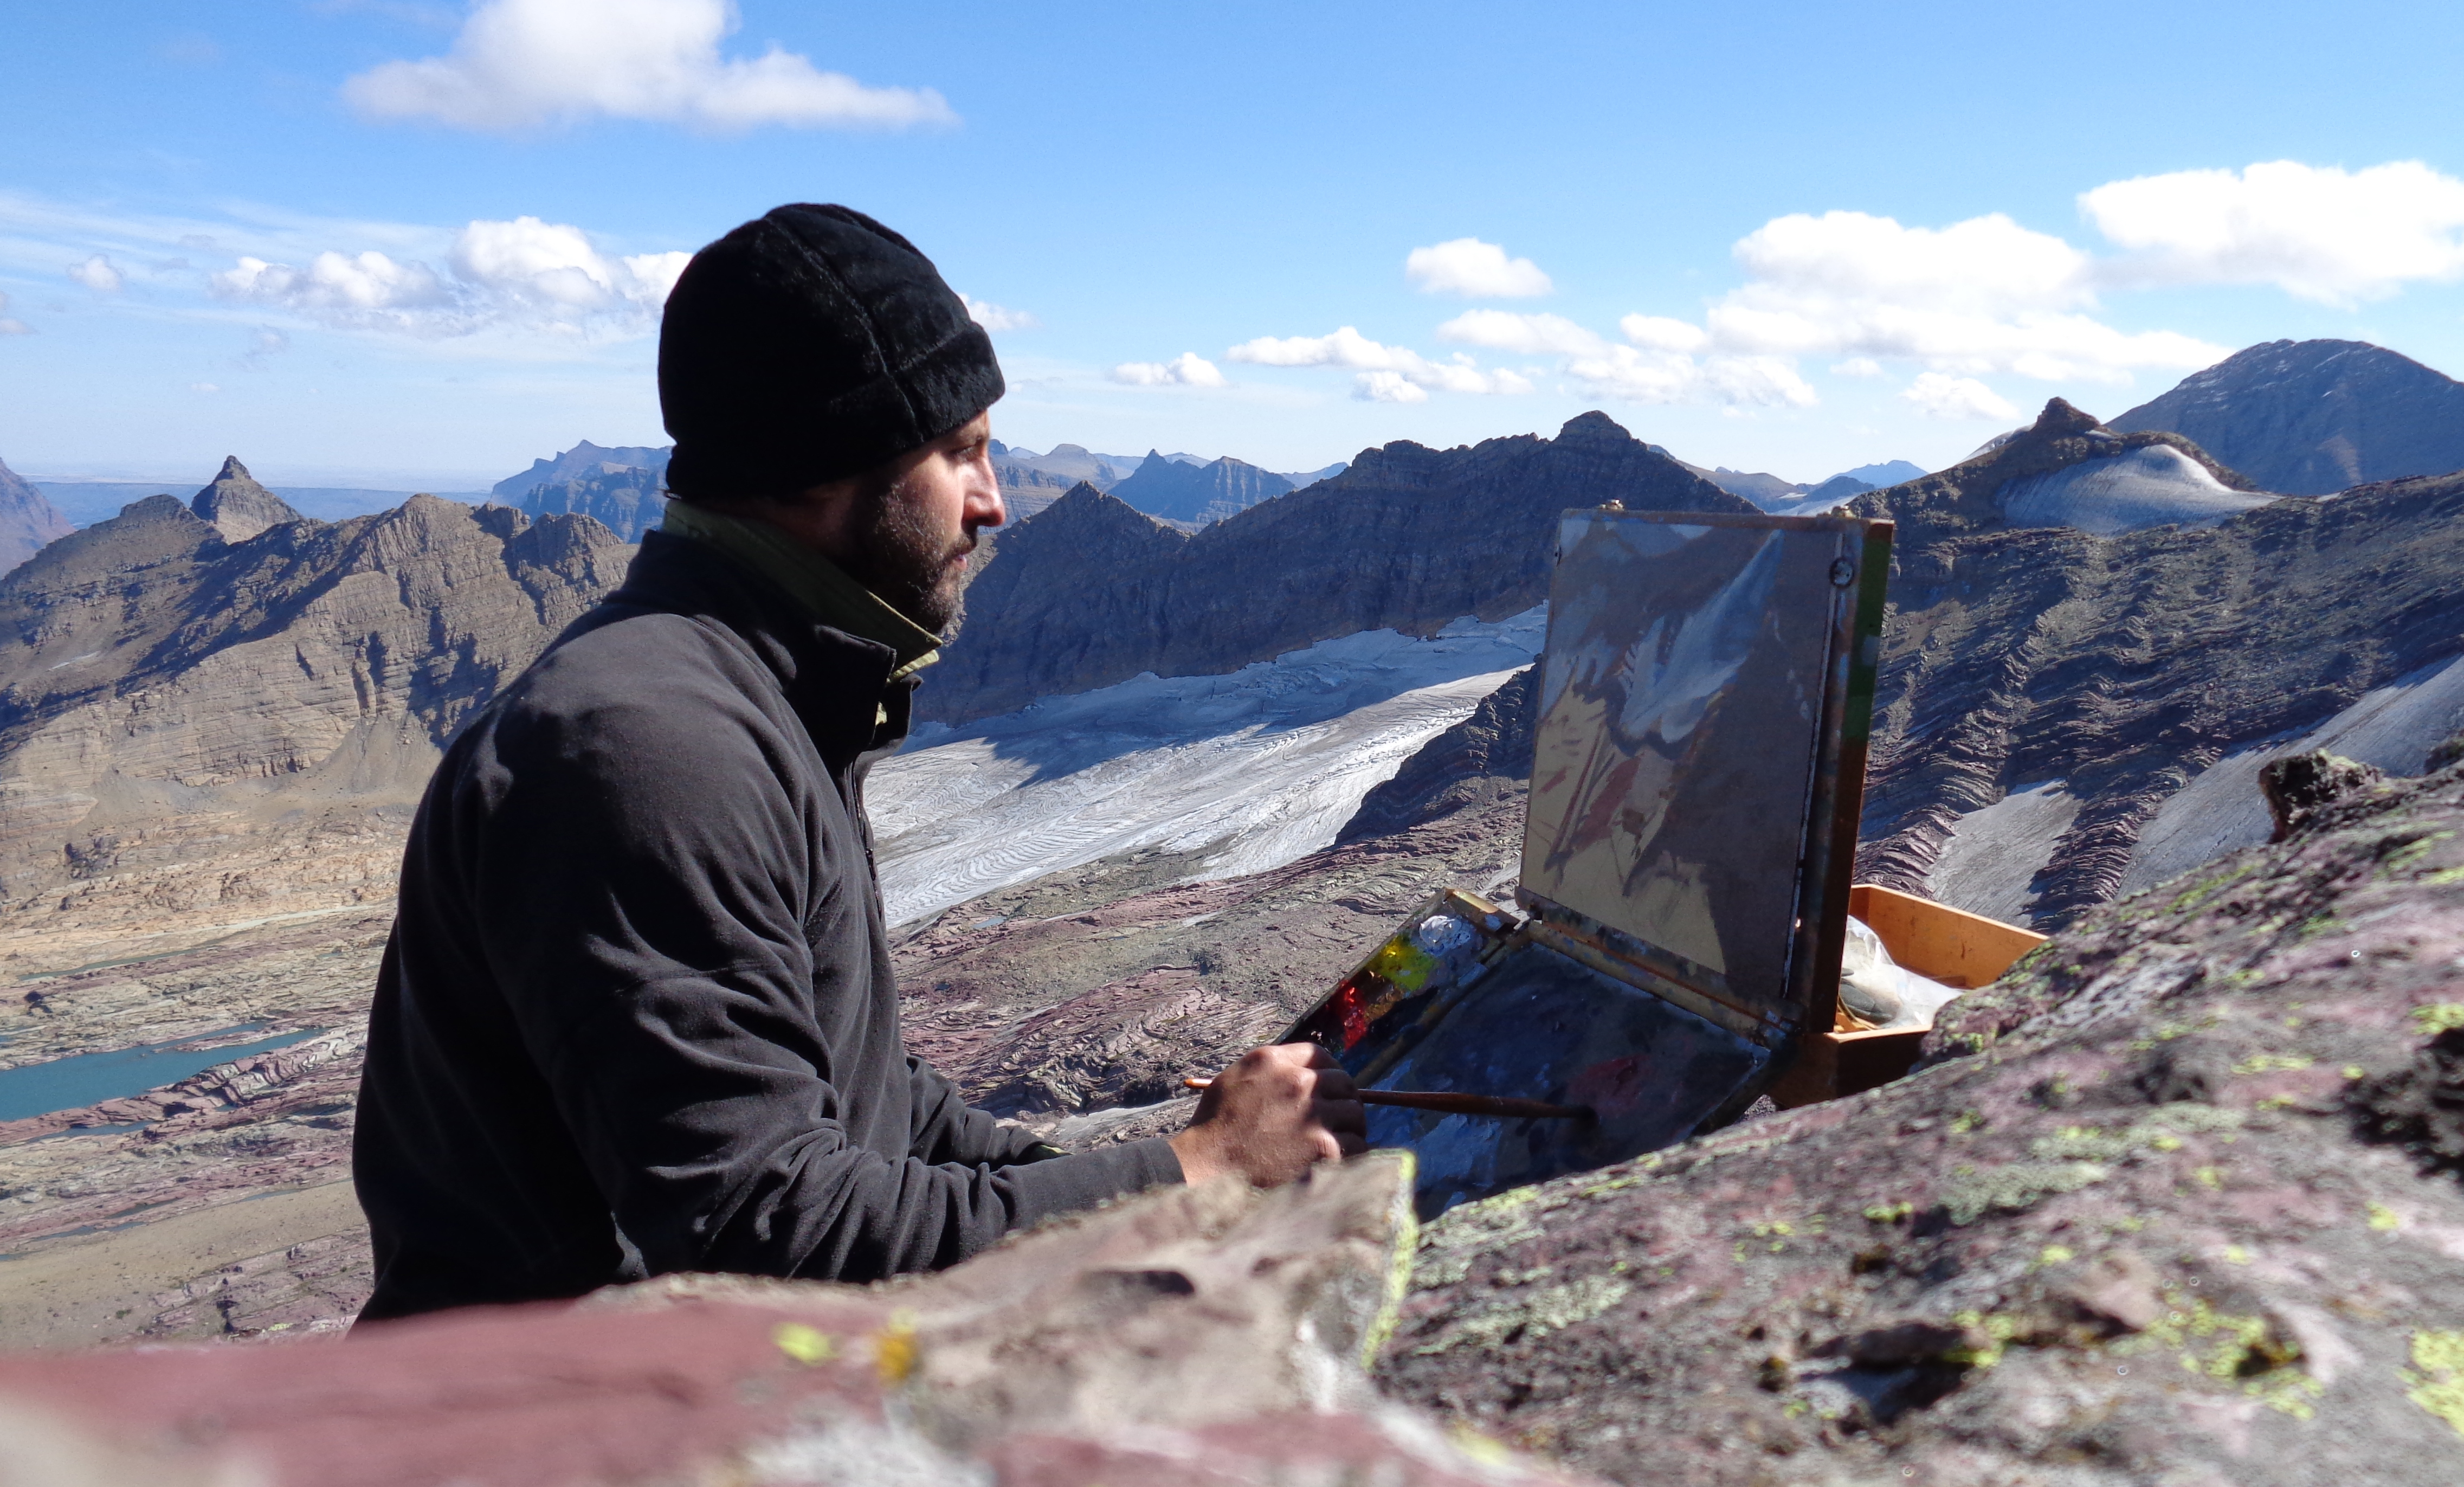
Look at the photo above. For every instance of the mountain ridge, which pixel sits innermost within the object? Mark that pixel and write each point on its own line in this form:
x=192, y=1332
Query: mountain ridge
x=1164, y=487
x=168, y=697
x=584, y=459
x=1408, y=538
x=2313, y=418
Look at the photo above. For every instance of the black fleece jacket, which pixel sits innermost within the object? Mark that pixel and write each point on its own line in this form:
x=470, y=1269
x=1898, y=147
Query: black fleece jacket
x=637, y=1013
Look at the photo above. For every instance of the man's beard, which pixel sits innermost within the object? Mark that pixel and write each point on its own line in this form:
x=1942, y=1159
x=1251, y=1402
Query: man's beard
x=907, y=562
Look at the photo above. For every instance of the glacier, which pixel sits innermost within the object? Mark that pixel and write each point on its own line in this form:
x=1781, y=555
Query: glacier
x=1247, y=771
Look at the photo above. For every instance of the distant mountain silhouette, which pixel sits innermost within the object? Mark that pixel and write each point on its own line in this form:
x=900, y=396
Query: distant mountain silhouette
x=623, y=498
x=2311, y=417
x=1165, y=487
x=584, y=458
x=1789, y=498
x=1302, y=480
x=28, y=522
x=1061, y=467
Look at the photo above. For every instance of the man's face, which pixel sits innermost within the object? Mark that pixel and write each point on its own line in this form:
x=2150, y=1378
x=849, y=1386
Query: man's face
x=907, y=540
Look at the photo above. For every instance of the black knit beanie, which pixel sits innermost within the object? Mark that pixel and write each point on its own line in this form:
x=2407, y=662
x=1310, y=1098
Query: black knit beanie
x=810, y=344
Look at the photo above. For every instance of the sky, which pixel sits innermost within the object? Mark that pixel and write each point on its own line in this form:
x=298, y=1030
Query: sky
x=411, y=245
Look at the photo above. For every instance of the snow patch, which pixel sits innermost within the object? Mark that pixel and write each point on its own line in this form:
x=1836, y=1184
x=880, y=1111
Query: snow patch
x=2221, y=810
x=2153, y=485
x=1994, y=854
x=1254, y=769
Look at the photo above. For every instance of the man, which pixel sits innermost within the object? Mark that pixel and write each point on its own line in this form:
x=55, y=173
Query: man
x=637, y=1014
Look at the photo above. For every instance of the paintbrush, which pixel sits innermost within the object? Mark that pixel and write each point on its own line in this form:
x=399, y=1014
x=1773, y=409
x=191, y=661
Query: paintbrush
x=1499, y=1106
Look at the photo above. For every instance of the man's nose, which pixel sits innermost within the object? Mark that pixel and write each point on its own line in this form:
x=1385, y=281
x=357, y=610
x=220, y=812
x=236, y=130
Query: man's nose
x=984, y=505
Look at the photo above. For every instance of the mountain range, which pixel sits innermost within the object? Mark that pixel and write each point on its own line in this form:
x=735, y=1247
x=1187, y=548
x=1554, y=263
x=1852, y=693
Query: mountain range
x=584, y=460
x=1408, y=538
x=625, y=499
x=1787, y=498
x=2080, y=675
x=1198, y=494
x=181, y=685
x=2312, y=417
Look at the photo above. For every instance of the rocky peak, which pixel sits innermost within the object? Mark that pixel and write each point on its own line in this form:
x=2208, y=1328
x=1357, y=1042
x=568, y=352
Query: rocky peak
x=1594, y=427
x=2311, y=417
x=1181, y=492
x=2142, y=477
x=2061, y=417
x=238, y=507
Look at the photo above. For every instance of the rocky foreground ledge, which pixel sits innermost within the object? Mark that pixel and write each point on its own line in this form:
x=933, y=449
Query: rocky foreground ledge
x=1209, y=1336
x=2177, y=1202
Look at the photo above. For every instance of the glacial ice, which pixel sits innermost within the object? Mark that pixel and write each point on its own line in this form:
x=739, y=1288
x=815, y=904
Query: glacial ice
x=1251, y=769
x=2153, y=485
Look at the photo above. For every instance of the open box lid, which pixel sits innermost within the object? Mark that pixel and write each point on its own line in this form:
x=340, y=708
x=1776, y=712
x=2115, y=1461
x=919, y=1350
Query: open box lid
x=1700, y=757
x=1700, y=764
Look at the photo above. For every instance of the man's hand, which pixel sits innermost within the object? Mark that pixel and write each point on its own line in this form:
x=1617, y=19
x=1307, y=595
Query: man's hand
x=1271, y=1116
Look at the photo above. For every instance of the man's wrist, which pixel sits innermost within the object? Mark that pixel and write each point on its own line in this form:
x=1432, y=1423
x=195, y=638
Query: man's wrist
x=1196, y=1155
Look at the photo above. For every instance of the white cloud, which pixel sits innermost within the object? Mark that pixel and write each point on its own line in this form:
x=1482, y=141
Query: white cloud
x=1475, y=270
x=1659, y=333
x=98, y=275
x=1650, y=375
x=1857, y=366
x=518, y=64
x=551, y=264
x=202, y=387
x=10, y=327
x=992, y=316
x=1972, y=298
x=368, y=289
x=1757, y=381
x=1526, y=335
x=1940, y=395
x=521, y=272
x=1188, y=369
x=1987, y=265
x=2317, y=233
x=1347, y=346
x=1387, y=386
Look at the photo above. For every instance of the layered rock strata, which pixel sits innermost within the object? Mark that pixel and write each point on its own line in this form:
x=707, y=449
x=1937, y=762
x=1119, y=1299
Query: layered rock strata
x=2123, y=667
x=1093, y=591
x=2044, y=693
x=166, y=695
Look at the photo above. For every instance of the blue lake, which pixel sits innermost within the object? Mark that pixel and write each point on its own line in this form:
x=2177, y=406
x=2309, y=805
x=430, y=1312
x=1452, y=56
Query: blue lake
x=83, y=1080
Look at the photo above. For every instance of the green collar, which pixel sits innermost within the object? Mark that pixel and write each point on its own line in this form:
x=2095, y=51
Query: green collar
x=821, y=586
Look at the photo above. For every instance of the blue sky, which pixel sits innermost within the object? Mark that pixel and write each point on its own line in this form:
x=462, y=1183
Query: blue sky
x=1781, y=236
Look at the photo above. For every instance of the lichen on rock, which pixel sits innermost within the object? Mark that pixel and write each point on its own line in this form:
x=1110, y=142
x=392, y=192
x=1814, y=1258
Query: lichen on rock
x=2175, y=1200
